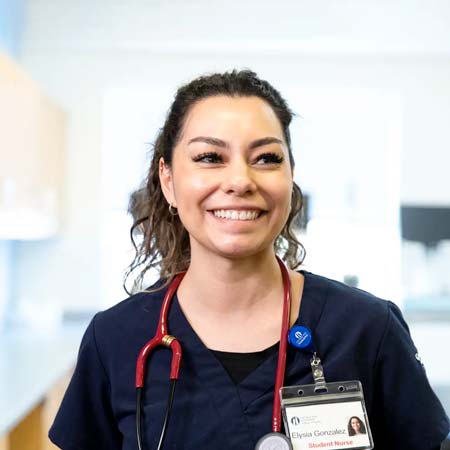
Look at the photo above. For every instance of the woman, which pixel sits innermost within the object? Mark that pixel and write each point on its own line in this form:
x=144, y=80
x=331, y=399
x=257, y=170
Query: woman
x=355, y=426
x=220, y=203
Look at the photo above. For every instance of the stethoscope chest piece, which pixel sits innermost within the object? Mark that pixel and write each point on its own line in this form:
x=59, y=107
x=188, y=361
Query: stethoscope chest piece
x=274, y=441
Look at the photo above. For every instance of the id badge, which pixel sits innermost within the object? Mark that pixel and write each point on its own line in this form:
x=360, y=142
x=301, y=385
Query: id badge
x=326, y=416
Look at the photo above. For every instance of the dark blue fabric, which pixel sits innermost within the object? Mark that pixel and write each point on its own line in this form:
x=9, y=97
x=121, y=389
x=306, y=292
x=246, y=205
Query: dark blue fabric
x=357, y=335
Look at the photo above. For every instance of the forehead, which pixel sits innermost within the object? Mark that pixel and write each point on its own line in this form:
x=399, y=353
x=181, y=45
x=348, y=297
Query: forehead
x=223, y=114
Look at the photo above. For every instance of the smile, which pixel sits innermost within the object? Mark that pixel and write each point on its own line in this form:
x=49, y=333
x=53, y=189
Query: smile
x=232, y=214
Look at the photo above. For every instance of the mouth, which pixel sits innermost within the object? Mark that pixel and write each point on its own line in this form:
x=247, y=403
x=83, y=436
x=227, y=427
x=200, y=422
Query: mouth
x=234, y=214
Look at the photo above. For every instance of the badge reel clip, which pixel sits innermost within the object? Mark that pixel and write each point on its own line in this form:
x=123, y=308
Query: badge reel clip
x=324, y=415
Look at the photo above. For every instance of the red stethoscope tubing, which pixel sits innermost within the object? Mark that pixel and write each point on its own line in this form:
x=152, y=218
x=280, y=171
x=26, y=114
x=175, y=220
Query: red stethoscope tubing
x=162, y=338
x=282, y=351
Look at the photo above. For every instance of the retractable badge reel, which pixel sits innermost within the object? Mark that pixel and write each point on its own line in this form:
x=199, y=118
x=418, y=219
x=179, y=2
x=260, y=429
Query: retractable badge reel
x=323, y=415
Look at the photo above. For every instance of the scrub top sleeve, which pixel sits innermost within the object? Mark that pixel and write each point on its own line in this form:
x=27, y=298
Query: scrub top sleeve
x=85, y=420
x=407, y=412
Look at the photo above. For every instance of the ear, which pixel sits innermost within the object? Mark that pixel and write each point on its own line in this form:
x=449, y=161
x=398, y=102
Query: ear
x=166, y=181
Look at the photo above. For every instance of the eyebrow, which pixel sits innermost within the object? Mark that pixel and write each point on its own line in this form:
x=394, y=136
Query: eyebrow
x=223, y=144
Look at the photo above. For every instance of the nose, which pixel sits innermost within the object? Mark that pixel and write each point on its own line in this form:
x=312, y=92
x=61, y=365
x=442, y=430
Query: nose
x=238, y=179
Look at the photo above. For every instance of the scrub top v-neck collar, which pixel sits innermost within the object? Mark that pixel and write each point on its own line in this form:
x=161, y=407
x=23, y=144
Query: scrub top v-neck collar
x=229, y=399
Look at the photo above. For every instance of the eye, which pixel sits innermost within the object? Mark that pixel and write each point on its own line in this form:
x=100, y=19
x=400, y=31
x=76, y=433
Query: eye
x=269, y=158
x=208, y=157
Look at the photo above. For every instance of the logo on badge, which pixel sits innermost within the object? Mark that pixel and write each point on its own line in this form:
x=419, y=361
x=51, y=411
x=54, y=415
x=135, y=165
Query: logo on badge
x=300, y=337
x=295, y=420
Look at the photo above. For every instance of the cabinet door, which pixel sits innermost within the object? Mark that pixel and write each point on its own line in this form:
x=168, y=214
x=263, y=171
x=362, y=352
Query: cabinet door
x=31, y=158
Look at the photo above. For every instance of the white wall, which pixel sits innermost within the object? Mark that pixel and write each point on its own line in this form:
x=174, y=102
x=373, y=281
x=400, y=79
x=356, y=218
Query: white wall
x=79, y=50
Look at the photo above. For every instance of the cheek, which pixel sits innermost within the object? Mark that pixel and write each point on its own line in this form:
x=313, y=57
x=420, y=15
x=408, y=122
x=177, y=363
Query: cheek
x=192, y=187
x=201, y=183
x=283, y=193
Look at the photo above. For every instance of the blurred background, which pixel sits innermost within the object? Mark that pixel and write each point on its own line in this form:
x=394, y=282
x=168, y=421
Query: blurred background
x=84, y=87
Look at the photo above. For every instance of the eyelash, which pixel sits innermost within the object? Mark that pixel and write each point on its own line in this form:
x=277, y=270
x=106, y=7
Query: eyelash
x=202, y=157
x=271, y=158
x=216, y=158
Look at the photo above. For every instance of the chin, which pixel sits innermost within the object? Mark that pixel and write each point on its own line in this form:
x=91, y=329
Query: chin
x=232, y=247
x=241, y=251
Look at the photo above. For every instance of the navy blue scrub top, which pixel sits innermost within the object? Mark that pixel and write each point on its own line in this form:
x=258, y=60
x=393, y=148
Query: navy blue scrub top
x=358, y=336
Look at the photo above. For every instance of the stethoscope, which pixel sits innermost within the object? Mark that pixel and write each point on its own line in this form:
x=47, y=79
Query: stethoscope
x=164, y=339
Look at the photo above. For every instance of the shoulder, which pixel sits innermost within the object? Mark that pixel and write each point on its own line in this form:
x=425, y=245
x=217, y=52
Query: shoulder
x=125, y=313
x=348, y=319
x=342, y=300
x=130, y=323
x=104, y=373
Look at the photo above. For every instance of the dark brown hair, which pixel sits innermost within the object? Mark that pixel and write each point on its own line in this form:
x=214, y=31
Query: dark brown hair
x=164, y=242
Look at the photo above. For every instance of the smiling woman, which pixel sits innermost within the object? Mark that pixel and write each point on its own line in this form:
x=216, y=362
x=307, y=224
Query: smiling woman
x=214, y=122
x=215, y=217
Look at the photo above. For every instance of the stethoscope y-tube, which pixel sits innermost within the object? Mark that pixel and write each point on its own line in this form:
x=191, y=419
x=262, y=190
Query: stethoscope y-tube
x=164, y=339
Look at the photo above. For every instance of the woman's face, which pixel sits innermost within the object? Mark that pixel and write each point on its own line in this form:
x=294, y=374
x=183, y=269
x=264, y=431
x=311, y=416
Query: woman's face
x=230, y=179
x=356, y=425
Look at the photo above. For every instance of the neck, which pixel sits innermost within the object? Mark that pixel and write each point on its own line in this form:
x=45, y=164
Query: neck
x=228, y=286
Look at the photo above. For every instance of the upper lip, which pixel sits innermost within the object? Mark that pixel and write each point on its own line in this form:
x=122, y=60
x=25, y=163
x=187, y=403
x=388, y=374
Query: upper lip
x=237, y=208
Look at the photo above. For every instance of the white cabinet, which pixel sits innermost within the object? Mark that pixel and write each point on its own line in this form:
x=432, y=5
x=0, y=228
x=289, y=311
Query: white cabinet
x=32, y=130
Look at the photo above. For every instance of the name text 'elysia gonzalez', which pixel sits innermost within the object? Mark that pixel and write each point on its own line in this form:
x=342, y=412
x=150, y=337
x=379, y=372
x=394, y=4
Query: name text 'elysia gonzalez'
x=308, y=434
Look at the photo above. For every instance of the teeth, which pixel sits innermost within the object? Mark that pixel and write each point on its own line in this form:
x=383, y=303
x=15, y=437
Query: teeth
x=236, y=215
